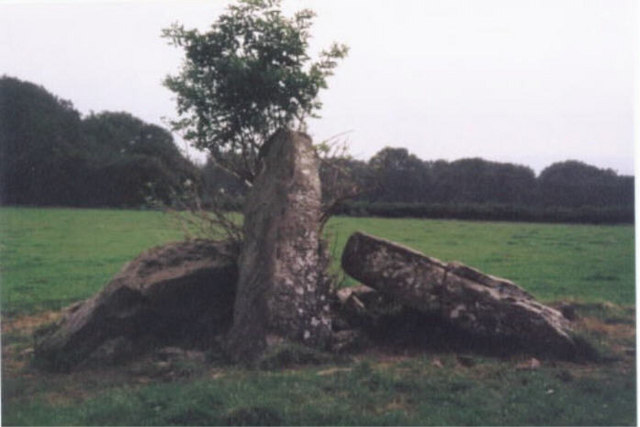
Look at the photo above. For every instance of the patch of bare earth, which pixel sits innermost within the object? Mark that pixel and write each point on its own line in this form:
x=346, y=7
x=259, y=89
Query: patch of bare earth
x=28, y=324
x=16, y=343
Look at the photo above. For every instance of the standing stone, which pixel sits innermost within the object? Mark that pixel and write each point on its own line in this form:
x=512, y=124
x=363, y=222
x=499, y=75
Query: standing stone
x=484, y=305
x=281, y=288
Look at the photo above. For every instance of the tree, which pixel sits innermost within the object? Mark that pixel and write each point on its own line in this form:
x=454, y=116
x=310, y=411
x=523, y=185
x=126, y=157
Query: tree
x=216, y=181
x=49, y=155
x=480, y=181
x=399, y=175
x=575, y=184
x=134, y=162
x=41, y=150
x=246, y=77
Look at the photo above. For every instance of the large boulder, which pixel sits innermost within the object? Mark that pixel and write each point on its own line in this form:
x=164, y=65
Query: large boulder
x=478, y=303
x=180, y=294
x=282, y=291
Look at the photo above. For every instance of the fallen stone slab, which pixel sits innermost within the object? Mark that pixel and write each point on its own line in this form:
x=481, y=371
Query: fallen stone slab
x=282, y=289
x=365, y=308
x=483, y=305
x=180, y=294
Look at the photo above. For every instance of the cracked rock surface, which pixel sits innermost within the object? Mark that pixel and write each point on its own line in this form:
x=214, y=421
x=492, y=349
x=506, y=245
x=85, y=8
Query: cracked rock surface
x=179, y=294
x=282, y=291
x=484, y=305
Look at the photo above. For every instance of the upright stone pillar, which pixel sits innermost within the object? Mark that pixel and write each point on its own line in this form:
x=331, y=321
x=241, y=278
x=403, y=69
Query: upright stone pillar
x=280, y=292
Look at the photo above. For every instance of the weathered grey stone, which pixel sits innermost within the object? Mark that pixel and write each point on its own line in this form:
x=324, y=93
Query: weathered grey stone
x=348, y=340
x=481, y=304
x=281, y=288
x=177, y=294
x=364, y=307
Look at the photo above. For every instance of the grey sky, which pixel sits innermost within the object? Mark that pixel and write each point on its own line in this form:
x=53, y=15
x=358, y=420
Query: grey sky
x=529, y=82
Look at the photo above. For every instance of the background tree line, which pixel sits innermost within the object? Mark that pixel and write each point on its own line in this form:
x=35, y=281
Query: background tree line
x=399, y=184
x=395, y=183
x=50, y=155
x=399, y=177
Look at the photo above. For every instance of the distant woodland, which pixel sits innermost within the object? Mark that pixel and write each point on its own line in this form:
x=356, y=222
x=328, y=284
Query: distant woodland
x=52, y=156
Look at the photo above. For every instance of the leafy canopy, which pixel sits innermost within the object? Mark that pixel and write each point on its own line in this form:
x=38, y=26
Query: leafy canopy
x=246, y=77
x=50, y=155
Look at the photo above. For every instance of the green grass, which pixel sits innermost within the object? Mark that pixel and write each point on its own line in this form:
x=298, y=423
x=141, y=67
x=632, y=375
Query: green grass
x=552, y=261
x=52, y=257
x=412, y=392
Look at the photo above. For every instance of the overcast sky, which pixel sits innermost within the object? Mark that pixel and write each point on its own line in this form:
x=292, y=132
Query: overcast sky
x=528, y=82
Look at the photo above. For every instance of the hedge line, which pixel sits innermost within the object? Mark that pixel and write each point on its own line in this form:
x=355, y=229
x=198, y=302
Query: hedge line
x=491, y=212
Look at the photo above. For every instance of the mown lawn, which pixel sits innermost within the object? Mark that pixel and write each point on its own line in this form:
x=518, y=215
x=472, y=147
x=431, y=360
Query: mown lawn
x=52, y=257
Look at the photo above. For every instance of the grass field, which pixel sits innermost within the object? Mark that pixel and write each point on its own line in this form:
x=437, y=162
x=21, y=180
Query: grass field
x=52, y=257
x=552, y=261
